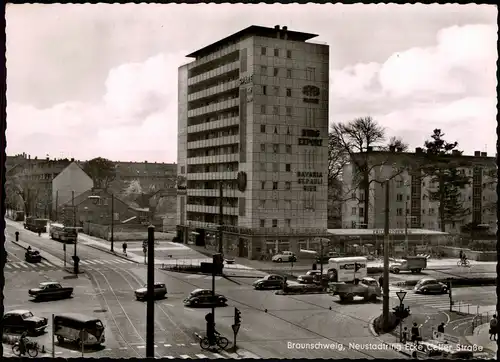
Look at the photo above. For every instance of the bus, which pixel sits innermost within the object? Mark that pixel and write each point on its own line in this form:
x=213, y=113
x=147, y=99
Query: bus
x=79, y=328
x=347, y=269
x=63, y=233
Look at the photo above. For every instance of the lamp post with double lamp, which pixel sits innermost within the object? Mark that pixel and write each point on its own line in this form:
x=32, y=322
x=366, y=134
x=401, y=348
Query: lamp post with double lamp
x=96, y=199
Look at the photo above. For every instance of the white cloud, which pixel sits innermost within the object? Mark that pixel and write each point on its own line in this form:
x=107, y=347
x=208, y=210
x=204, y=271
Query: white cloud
x=451, y=85
x=138, y=114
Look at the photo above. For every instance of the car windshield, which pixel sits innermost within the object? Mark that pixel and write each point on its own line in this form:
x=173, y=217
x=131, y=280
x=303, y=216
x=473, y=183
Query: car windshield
x=27, y=315
x=369, y=282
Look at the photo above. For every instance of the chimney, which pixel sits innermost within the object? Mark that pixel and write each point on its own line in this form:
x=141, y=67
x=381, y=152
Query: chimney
x=477, y=153
x=392, y=148
x=285, y=32
x=484, y=154
x=418, y=150
x=47, y=158
x=29, y=157
x=277, y=28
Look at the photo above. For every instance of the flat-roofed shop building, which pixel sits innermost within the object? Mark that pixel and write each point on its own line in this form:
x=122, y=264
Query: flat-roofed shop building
x=253, y=114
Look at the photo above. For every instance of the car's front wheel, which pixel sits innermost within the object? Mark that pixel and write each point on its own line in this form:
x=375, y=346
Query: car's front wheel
x=279, y=260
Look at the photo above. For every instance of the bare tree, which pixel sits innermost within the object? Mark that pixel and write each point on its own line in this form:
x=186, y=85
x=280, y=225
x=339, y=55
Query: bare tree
x=354, y=142
x=22, y=191
x=396, y=143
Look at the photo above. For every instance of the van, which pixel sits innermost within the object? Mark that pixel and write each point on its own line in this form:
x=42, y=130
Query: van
x=347, y=269
x=78, y=328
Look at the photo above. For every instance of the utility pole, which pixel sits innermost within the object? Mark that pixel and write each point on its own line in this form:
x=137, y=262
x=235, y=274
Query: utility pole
x=221, y=216
x=57, y=204
x=406, y=228
x=76, y=260
x=385, y=307
x=113, y=221
x=150, y=308
x=321, y=267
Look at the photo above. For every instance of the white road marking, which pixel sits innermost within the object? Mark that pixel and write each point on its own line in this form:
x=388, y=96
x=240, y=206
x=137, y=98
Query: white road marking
x=194, y=276
x=8, y=266
x=122, y=348
x=141, y=347
x=185, y=356
x=99, y=261
x=16, y=266
x=169, y=357
x=167, y=345
x=91, y=262
x=194, y=344
x=217, y=355
x=200, y=355
x=181, y=344
x=46, y=263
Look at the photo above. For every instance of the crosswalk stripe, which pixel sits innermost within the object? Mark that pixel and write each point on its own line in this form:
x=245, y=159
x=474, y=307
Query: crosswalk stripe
x=210, y=278
x=8, y=266
x=169, y=357
x=90, y=262
x=122, y=261
x=98, y=261
x=113, y=261
x=16, y=266
x=185, y=356
x=199, y=355
x=167, y=345
x=194, y=276
x=217, y=355
x=46, y=263
x=232, y=355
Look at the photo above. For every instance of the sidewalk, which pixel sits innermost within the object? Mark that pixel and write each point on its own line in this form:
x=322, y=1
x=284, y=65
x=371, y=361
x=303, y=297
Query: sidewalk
x=481, y=337
x=45, y=256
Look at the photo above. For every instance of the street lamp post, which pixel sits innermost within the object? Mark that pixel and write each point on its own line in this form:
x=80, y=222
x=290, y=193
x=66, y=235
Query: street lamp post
x=112, y=221
x=385, y=307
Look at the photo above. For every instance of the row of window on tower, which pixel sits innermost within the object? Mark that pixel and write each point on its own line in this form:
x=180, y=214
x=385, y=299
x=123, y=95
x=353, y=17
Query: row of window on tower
x=263, y=51
x=277, y=72
x=274, y=223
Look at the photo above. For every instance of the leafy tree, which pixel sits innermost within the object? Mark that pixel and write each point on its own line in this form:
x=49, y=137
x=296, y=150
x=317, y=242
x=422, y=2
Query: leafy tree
x=21, y=192
x=442, y=170
x=353, y=142
x=398, y=144
x=101, y=170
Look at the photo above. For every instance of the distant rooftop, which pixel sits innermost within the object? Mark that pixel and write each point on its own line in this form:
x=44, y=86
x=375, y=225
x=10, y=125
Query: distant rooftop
x=254, y=30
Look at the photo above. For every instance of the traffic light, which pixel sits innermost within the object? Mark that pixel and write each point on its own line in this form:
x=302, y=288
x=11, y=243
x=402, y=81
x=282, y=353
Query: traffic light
x=237, y=316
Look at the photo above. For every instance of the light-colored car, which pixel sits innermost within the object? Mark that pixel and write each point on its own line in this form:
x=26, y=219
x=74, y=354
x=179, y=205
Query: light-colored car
x=160, y=291
x=285, y=256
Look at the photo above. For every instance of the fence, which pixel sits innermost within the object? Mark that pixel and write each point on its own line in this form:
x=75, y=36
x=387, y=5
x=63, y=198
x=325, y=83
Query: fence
x=482, y=318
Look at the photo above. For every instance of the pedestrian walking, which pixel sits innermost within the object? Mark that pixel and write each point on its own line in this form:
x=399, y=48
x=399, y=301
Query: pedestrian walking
x=441, y=328
x=381, y=281
x=404, y=337
x=124, y=246
x=493, y=328
x=415, y=333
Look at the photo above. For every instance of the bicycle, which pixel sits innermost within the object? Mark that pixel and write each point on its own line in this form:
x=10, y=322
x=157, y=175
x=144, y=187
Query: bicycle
x=32, y=349
x=220, y=341
x=463, y=262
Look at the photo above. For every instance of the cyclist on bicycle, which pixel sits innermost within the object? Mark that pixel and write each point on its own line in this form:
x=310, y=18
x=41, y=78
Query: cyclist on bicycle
x=23, y=342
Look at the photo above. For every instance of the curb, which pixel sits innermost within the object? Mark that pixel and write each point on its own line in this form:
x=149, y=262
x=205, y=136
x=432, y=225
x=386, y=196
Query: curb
x=111, y=253
x=372, y=331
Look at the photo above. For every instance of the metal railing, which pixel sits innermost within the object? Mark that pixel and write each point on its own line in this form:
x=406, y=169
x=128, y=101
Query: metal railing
x=482, y=318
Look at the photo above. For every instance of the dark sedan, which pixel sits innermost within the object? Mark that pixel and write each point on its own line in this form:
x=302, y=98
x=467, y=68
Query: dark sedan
x=32, y=256
x=204, y=298
x=428, y=285
x=272, y=281
x=23, y=321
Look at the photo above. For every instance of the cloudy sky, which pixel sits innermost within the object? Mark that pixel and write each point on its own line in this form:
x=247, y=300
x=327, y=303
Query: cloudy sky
x=101, y=80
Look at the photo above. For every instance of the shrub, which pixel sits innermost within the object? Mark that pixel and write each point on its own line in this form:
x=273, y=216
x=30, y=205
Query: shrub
x=483, y=245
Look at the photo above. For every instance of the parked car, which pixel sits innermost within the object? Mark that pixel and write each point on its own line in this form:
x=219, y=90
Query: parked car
x=23, y=321
x=429, y=285
x=50, y=290
x=32, y=256
x=204, y=297
x=160, y=291
x=287, y=256
x=271, y=281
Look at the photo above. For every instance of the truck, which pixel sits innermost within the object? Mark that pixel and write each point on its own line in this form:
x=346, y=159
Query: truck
x=415, y=264
x=347, y=269
x=50, y=290
x=36, y=225
x=367, y=287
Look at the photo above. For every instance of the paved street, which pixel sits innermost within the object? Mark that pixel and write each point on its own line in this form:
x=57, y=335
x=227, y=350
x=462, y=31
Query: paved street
x=288, y=319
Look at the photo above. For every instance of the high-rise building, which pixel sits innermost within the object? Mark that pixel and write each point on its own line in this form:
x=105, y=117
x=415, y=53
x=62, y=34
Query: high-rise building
x=253, y=115
x=410, y=205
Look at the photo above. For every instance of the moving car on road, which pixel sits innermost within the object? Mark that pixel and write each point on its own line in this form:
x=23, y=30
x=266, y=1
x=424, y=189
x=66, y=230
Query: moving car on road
x=204, y=297
x=429, y=285
x=347, y=269
x=309, y=277
x=271, y=281
x=160, y=291
x=79, y=328
x=287, y=256
x=63, y=233
x=23, y=320
x=50, y=290
x=32, y=256
x=367, y=287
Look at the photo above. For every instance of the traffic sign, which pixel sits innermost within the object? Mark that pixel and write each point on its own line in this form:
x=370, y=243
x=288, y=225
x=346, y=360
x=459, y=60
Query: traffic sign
x=401, y=295
x=236, y=328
